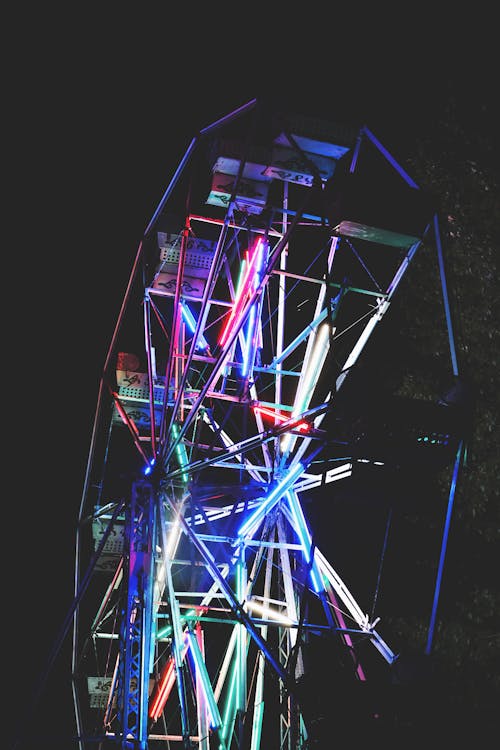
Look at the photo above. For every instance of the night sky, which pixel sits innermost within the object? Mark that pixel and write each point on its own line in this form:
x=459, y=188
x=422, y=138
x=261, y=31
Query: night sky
x=102, y=111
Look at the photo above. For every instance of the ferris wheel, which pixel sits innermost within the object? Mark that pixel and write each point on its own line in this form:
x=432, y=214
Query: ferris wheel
x=209, y=596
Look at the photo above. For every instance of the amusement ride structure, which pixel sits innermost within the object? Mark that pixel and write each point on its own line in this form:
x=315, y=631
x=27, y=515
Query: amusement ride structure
x=207, y=594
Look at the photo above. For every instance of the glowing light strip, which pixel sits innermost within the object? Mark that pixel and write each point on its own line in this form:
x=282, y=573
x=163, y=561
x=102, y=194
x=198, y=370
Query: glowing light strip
x=305, y=539
x=164, y=689
x=309, y=482
x=179, y=637
x=335, y=474
x=173, y=539
x=241, y=641
x=383, y=304
x=238, y=296
x=235, y=294
x=278, y=417
x=248, y=346
x=230, y=705
x=308, y=381
x=246, y=287
x=268, y=613
x=165, y=686
x=332, y=475
x=271, y=413
x=190, y=321
x=248, y=466
x=253, y=333
x=201, y=671
x=180, y=450
x=274, y=496
x=258, y=716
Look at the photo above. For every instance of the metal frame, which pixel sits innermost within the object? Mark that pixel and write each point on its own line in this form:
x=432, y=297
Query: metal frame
x=220, y=581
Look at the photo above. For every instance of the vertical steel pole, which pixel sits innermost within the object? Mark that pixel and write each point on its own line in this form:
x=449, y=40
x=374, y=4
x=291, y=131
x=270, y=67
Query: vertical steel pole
x=451, y=497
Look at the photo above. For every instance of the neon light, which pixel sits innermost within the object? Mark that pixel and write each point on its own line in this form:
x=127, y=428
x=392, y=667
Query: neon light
x=149, y=468
x=243, y=292
x=258, y=718
x=248, y=342
x=173, y=539
x=318, y=356
x=303, y=426
x=345, y=470
x=274, y=496
x=251, y=279
x=268, y=613
x=270, y=413
x=180, y=451
x=230, y=706
x=305, y=538
x=164, y=632
x=241, y=634
x=190, y=321
x=201, y=671
x=167, y=630
x=309, y=378
x=238, y=295
x=254, y=334
x=383, y=304
x=165, y=686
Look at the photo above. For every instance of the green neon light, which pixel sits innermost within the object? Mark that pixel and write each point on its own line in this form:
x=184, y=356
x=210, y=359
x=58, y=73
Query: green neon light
x=229, y=706
x=201, y=670
x=180, y=451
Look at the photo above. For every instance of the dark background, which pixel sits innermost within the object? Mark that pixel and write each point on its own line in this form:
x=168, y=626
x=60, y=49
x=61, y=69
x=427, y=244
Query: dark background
x=99, y=110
